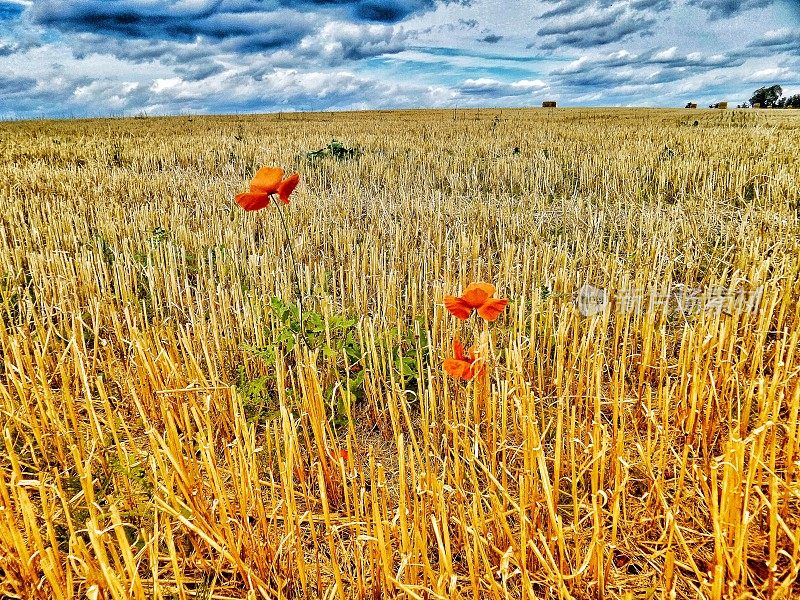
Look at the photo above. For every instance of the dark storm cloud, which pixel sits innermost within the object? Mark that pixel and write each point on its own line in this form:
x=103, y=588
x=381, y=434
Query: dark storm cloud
x=723, y=9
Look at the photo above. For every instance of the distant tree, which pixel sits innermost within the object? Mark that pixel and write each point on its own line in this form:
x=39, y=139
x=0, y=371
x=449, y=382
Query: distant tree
x=793, y=101
x=780, y=102
x=766, y=96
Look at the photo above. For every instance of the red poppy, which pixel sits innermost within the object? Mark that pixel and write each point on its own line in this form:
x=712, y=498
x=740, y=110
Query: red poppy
x=341, y=452
x=462, y=366
x=267, y=181
x=477, y=296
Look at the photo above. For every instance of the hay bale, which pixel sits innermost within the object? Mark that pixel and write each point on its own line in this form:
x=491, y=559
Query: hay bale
x=549, y=104
x=757, y=105
x=722, y=105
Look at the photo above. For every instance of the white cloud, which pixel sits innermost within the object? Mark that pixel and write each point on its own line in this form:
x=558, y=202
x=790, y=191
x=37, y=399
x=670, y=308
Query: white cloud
x=667, y=55
x=160, y=85
x=773, y=74
x=500, y=89
x=339, y=42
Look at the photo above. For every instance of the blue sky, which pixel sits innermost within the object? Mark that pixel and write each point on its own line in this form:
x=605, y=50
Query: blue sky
x=125, y=57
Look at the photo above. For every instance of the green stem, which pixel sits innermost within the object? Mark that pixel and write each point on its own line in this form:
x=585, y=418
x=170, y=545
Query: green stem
x=296, y=273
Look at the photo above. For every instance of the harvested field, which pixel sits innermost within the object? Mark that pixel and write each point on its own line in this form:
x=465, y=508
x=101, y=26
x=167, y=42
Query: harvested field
x=173, y=429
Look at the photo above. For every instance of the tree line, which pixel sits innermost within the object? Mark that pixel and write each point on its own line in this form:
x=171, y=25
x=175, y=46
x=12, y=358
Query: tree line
x=772, y=97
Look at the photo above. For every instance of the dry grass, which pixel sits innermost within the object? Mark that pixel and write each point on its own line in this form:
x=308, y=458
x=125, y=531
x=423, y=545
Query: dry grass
x=640, y=453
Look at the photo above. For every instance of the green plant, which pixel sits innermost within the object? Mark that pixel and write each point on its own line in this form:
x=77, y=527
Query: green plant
x=410, y=352
x=158, y=234
x=335, y=336
x=258, y=395
x=335, y=150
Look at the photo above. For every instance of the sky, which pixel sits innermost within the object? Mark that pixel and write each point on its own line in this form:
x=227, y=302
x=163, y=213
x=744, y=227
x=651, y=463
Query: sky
x=89, y=58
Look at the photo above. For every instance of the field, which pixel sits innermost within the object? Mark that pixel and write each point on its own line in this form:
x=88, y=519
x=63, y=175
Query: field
x=186, y=415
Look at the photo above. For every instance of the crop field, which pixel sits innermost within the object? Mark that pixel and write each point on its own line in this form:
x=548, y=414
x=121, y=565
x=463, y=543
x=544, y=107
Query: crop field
x=198, y=401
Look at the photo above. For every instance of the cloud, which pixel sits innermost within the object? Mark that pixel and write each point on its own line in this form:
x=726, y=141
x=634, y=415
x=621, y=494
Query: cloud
x=571, y=7
x=95, y=57
x=653, y=5
x=8, y=47
x=667, y=58
x=181, y=32
x=491, y=38
x=594, y=24
x=9, y=11
x=492, y=87
x=12, y=85
x=199, y=71
x=664, y=74
x=183, y=22
x=564, y=7
x=723, y=9
x=268, y=24
x=85, y=45
x=339, y=42
x=776, y=41
x=772, y=75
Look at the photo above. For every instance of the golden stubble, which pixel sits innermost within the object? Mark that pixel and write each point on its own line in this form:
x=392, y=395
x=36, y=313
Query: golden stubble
x=633, y=453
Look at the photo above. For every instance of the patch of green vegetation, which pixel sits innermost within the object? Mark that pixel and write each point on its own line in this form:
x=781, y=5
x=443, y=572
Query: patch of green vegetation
x=335, y=150
x=258, y=395
x=410, y=354
x=337, y=340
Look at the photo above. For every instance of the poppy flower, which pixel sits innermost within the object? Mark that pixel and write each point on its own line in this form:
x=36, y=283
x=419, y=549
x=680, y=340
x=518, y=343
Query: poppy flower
x=267, y=181
x=342, y=453
x=477, y=296
x=462, y=366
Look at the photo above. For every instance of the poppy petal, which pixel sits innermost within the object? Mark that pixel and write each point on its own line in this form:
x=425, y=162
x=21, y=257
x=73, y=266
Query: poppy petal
x=266, y=180
x=252, y=201
x=469, y=373
x=287, y=186
x=477, y=293
x=492, y=308
x=458, y=349
x=457, y=307
x=459, y=369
